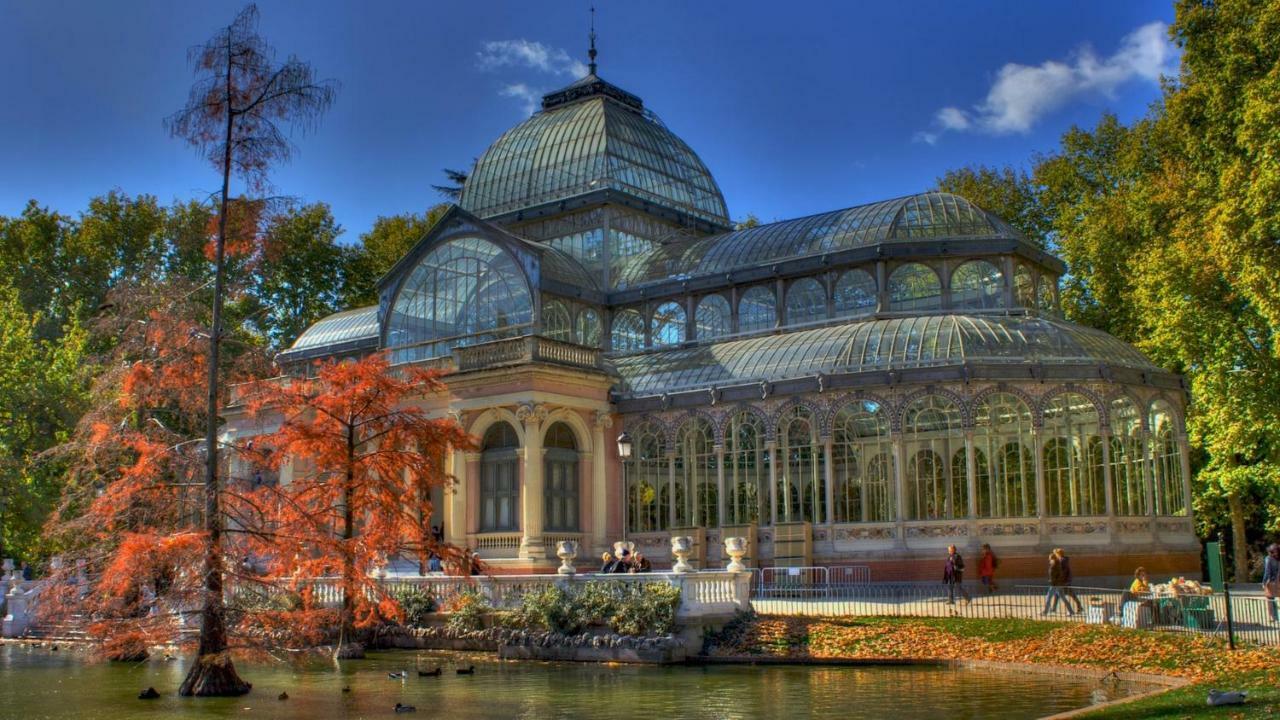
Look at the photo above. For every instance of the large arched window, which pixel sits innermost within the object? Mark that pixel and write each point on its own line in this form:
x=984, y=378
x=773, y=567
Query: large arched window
x=933, y=434
x=1073, y=481
x=712, y=317
x=587, y=327
x=862, y=459
x=757, y=309
x=801, y=479
x=628, y=331
x=977, y=285
x=1005, y=465
x=806, y=302
x=914, y=287
x=668, y=324
x=499, y=480
x=646, y=478
x=696, y=474
x=555, y=320
x=1166, y=461
x=855, y=294
x=462, y=292
x=560, y=480
x=1128, y=475
x=746, y=468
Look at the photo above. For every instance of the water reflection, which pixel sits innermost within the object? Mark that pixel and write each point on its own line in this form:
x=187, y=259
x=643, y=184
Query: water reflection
x=36, y=683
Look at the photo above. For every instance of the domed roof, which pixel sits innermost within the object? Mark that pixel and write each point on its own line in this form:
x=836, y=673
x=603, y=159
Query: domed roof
x=877, y=345
x=591, y=136
x=914, y=217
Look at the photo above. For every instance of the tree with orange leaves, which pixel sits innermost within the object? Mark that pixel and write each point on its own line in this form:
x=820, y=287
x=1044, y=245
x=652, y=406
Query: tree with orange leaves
x=234, y=115
x=364, y=459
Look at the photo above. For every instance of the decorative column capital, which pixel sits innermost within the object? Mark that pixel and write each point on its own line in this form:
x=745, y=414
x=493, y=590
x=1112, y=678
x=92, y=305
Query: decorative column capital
x=532, y=414
x=603, y=420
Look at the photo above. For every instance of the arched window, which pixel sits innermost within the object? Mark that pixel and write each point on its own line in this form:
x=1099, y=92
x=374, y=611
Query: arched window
x=560, y=480
x=806, y=302
x=855, y=294
x=587, y=328
x=1166, y=461
x=1073, y=484
x=1024, y=287
x=668, y=324
x=1003, y=440
x=628, y=331
x=862, y=459
x=462, y=292
x=977, y=285
x=1128, y=476
x=555, y=321
x=499, y=480
x=757, y=309
x=801, y=480
x=932, y=433
x=696, y=474
x=646, y=478
x=746, y=469
x=712, y=317
x=914, y=287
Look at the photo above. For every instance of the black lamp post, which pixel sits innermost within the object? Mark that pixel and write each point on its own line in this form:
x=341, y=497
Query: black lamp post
x=624, y=454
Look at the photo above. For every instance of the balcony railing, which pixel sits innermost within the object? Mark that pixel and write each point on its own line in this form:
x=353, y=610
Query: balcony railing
x=520, y=350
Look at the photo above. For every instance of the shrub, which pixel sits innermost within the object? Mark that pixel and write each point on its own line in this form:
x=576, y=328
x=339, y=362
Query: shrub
x=416, y=604
x=468, y=611
x=627, y=608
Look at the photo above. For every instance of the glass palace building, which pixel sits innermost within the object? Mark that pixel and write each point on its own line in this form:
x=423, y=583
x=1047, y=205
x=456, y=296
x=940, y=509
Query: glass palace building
x=859, y=387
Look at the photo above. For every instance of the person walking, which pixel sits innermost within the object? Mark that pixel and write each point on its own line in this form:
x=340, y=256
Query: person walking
x=25, y=571
x=953, y=576
x=1068, y=592
x=987, y=565
x=1271, y=580
x=1056, y=584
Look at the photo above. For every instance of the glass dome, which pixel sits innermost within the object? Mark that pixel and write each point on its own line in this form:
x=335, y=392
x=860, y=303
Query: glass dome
x=591, y=136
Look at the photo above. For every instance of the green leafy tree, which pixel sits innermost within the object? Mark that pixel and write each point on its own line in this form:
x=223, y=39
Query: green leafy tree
x=298, y=278
x=380, y=248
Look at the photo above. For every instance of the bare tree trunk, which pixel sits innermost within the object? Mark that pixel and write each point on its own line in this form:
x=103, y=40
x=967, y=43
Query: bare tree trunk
x=348, y=647
x=1239, y=541
x=213, y=673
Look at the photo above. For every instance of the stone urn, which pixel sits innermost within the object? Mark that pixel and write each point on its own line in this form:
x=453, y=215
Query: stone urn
x=567, y=550
x=735, y=548
x=681, y=547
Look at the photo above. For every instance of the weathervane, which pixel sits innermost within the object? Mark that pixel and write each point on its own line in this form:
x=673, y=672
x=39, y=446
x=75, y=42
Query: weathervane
x=592, y=52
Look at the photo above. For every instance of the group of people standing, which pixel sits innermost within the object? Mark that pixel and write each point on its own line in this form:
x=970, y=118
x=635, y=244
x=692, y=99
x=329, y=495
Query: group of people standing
x=626, y=562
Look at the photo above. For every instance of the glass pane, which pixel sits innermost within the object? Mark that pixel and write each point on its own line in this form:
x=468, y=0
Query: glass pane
x=712, y=317
x=757, y=310
x=806, y=302
x=914, y=287
x=855, y=294
x=668, y=325
x=977, y=285
x=628, y=331
x=555, y=320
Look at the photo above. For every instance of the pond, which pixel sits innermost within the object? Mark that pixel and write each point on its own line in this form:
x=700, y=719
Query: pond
x=36, y=684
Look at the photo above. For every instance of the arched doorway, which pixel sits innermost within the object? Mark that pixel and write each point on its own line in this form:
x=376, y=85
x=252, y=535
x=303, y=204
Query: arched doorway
x=561, y=486
x=499, y=480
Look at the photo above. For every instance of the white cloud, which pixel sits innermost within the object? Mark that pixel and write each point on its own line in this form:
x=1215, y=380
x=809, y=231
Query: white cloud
x=497, y=54
x=530, y=97
x=1023, y=94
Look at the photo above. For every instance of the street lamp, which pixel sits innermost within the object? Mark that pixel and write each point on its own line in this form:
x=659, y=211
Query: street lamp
x=624, y=454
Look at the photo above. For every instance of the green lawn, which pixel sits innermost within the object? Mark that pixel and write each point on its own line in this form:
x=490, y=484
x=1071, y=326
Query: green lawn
x=1189, y=701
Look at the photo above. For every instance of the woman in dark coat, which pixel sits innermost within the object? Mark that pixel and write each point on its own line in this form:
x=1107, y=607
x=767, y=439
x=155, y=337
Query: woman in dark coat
x=953, y=576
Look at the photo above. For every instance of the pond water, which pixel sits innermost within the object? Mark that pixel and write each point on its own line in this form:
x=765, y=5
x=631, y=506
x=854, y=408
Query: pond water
x=36, y=684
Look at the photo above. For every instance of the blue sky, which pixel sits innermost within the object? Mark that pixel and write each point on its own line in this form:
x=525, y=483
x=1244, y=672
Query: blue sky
x=796, y=107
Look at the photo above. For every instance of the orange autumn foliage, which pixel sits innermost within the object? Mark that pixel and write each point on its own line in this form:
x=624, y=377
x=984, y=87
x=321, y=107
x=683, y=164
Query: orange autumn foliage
x=364, y=461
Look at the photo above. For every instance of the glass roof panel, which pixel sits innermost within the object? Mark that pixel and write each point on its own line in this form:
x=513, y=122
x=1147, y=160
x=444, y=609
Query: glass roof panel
x=357, y=324
x=875, y=345
x=927, y=215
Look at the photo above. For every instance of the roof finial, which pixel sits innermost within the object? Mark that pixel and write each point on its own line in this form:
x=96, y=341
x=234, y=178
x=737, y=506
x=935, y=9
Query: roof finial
x=592, y=52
